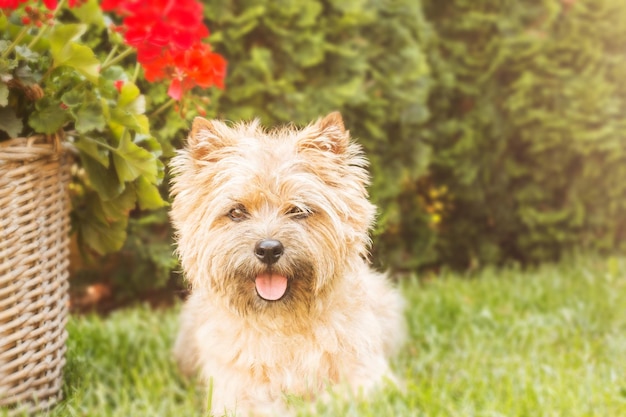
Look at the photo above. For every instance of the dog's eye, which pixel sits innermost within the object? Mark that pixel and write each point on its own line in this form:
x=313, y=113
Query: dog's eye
x=238, y=213
x=298, y=213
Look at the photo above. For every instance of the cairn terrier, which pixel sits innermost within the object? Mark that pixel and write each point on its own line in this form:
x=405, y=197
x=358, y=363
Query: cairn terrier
x=272, y=232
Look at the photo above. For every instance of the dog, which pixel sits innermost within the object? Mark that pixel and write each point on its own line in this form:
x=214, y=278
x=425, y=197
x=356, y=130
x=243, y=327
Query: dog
x=272, y=234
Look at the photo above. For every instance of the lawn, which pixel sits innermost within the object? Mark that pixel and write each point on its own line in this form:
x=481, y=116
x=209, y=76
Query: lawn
x=544, y=342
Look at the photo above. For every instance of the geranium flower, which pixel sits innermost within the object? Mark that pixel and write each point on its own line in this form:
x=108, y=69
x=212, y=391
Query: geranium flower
x=147, y=25
x=168, y=37
x=197, y=66
x=204, y=67
x=50, y=4
x=112, y=5
x=10, y=4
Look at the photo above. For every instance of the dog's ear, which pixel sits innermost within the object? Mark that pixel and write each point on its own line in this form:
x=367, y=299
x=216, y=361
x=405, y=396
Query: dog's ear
x=328, y=134
x=207, y=137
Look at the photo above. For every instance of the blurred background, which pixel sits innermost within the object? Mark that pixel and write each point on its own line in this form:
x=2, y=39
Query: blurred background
x=495, y=129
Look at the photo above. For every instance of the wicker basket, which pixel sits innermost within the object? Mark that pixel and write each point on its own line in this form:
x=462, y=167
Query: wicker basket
x=34, y=257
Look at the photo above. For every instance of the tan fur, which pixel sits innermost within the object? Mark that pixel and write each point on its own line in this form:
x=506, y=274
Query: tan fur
x=338, y=322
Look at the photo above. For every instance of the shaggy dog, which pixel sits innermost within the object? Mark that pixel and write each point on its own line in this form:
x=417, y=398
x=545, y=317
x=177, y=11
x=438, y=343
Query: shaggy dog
x=272, y=231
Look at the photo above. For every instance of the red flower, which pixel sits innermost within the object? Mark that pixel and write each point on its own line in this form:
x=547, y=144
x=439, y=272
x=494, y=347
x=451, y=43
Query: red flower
x=155, y=24
x=157, y=68
x=50, y=4
x=118, y=85
x=168, y=37
x=10, y=4
x=112, y=5
x=198, y=66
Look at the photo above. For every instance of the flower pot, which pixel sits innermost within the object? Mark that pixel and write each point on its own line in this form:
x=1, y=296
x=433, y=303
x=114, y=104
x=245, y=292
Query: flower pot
x=34, y=258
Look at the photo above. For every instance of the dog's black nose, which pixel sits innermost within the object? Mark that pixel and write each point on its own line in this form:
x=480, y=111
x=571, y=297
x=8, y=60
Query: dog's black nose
x=268, y=251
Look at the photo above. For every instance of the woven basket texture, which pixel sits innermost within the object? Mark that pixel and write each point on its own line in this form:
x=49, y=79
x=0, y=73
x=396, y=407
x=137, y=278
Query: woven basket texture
x=34, y=258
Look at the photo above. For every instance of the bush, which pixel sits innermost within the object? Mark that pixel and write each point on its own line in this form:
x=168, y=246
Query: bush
x=528, y=128
x=495, y=130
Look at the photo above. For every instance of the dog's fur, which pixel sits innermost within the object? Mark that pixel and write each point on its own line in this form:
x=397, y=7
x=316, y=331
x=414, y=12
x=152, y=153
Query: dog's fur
x=338, y=320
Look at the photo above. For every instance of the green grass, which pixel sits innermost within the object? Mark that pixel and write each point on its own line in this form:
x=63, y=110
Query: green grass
x=547, y=342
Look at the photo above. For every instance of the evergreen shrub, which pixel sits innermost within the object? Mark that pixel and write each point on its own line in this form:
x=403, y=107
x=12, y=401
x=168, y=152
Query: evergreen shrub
x=496, y=130
x=528, y=128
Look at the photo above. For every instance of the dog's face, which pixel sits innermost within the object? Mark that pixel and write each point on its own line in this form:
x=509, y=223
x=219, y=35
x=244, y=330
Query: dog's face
x=270, y=219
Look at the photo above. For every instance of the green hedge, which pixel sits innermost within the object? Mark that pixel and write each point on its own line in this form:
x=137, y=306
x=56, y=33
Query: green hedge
x=496, y=130
x=528, y=128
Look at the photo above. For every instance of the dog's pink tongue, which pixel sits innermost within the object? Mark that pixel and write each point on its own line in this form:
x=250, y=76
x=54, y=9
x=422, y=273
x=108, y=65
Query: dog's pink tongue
x=271, y=287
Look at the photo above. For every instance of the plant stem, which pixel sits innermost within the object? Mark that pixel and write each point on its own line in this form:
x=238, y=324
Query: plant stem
x=38, y=36
x=24, y=31
x=58, y=8
x=46, y=28
x=136, y=73
x=99, y=143
x=17, y=40
x=110, y=56
x=117, y=59
x=162, y=108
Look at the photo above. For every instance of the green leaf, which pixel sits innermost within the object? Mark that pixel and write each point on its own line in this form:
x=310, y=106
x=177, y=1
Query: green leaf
x=6, y=69
x=89, y=117
x=132, y=161
x=137, y=106
x=62, y=35
x=26, y=53
x=128, y=113
x=103, y=237
x=101, y=234
x=106, y=85
x=154, y=146
x=149, y=143
x=68, y=53
x=114, y=73
x=83, y=60
x=90, y=147
x=148, y=195
x=89, y=12
x=119, y=207
x=48, y=117
x=9, y=122
x=131, y=100
x=121, y=119
x=73, y=98
x=26, y=75
x=104, y=222
x=102, y=179
x=130, y=92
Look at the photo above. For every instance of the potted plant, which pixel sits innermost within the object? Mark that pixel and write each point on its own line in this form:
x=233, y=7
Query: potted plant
x=71, y=111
